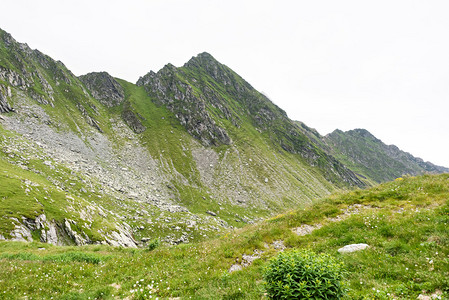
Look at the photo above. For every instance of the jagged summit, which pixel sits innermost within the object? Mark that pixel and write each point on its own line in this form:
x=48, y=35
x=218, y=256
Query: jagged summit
x=104, y=88
x=202, y=59
x=206, y=63
x=359, y=132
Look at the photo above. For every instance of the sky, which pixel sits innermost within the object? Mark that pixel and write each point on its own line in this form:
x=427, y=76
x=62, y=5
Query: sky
x=379, y=65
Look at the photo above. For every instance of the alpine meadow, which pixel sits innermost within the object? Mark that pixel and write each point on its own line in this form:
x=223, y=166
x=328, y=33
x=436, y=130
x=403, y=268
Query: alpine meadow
x=191, y=184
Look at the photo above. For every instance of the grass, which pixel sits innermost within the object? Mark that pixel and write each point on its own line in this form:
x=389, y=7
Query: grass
x=168, y=141
x=404, y=222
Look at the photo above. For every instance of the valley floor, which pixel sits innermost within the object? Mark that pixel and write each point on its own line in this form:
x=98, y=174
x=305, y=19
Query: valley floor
x=404, y=222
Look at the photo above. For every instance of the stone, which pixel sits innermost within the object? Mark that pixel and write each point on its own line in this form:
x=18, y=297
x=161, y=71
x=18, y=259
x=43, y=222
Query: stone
x=235, y=267
x=21, y=233
x=52, y=234
x=436, y=295
x=121, y=237
x=247, y=260
x=306, y=229
x=40, y=221
x=76, y=237
x=278, y=245
x=353, y=248
x=211, y=213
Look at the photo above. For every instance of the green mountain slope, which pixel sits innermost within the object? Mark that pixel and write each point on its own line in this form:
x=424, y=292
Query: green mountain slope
x=404, y=223
x=181, y=155
x=217, y=106
x=367, y=155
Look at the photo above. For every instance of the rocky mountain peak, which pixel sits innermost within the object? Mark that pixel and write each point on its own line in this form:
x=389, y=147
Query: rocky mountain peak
x=104, y=88
x=202, y=60
x=167, y=88
x=10, y=42
x=363, y=133
x=6, y=38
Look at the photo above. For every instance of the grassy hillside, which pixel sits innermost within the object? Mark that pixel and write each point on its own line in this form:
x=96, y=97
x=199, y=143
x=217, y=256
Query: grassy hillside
x=404, y=222
x=204, y=149
x=110, y=145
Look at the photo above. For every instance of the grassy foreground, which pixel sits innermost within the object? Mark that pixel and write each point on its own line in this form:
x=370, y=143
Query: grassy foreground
x=405, y=222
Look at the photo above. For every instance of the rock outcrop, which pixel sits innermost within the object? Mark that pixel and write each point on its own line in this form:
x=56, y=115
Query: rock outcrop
x=132, y=119
x=104, y=88
x=5, y=93
x=189, y=107
x=62, y=233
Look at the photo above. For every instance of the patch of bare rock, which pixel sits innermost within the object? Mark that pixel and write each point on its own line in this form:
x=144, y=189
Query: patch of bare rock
x=247, y=260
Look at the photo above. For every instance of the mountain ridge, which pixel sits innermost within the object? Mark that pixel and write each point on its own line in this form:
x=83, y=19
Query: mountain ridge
x=184, y=153
x=363, y=151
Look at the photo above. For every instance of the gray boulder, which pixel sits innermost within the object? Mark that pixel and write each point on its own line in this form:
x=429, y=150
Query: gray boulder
x=353, y=248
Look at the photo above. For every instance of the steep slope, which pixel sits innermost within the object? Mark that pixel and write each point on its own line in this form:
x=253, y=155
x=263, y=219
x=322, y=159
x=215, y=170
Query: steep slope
x=211, y=102
x=182, y=155
x=128, y=163
x=364, y=153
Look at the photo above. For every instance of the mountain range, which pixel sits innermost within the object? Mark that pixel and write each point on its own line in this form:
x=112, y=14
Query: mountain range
x=180, y=155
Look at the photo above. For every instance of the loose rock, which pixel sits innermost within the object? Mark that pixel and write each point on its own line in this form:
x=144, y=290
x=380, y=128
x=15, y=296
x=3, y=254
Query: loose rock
x=353, y=248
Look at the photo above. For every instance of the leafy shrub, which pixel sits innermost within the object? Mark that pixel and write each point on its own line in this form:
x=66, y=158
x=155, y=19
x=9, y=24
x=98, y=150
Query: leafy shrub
x=304, y=275
x=153, y=244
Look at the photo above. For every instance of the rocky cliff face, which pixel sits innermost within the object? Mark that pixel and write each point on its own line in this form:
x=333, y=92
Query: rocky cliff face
x=110, y=93
x=362, y=151
x=189, y=107
x=104, y=88
x=5, y=94
x=37, y=76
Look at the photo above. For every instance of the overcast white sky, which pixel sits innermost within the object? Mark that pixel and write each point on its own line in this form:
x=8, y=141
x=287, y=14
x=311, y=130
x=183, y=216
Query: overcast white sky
x=379, y=65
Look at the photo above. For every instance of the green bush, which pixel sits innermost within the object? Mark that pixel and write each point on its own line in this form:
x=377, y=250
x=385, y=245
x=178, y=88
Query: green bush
x=153, y=244
x=304, y=275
